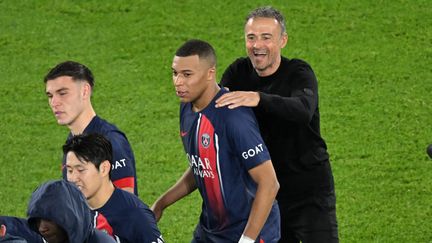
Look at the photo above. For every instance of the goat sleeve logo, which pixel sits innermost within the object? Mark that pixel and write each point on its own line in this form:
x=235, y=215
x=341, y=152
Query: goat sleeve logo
x=205, y=140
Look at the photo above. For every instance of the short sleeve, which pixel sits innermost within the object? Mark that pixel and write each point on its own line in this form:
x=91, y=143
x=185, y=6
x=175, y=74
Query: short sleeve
x=123, y=170
x=245, y=138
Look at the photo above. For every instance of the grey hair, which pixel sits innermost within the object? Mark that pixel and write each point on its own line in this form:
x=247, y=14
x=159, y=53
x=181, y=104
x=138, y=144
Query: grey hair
x=268, y=12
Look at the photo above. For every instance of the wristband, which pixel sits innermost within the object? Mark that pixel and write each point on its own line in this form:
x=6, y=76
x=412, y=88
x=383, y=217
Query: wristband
x=245, y=239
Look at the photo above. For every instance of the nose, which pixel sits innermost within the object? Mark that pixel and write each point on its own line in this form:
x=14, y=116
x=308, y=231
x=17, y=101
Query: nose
x=72, y=176
x=177, y=80
x=54, y=101
x=257, y=43
x=43, y=227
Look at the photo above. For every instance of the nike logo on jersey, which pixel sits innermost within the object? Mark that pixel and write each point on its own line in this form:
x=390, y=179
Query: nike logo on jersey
x=182, y=133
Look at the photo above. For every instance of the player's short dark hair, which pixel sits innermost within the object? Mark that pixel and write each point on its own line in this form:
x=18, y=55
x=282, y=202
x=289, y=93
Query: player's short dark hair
x=268, y=12
x=197, y=47
x=75, y=70
x=93, y=148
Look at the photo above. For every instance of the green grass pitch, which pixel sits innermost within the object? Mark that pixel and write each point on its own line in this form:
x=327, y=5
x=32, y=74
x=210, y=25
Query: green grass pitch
x=372, y=59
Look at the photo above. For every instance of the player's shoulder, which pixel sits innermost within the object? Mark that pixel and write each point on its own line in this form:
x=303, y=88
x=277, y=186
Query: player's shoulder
x=128, y=200
x=237, y=117
x=111, y=131
x=105, y=125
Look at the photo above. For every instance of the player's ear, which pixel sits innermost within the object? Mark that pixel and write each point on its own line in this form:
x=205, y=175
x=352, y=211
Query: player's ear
x=284, y=40
x=105, y=167
x=211, y=74
x=86, y=90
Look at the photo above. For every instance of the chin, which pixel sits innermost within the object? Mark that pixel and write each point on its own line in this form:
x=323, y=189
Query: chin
x=62, y=122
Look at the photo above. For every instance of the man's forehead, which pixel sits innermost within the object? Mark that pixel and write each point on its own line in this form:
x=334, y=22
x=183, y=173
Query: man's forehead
x=62, y=82
x=263, y=20
x=262, y=25
x=73, y=160
x=185, y=63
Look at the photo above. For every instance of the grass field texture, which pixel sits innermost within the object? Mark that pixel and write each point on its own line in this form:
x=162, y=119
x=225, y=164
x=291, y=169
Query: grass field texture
x=373, y=60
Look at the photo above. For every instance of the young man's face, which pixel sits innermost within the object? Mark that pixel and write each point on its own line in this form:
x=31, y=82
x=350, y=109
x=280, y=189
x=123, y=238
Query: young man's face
x=191, y=77
x=66, y=98
x=85, y=176
x=52, y=232
x=264, y=42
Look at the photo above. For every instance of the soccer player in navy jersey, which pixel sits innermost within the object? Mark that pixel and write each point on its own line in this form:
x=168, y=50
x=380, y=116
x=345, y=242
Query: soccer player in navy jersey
x=228, y=161
x=69, y=87
x=284, y=95
x=119, y=213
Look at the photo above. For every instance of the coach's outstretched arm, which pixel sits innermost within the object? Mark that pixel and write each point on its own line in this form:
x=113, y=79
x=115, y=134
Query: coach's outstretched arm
x=183, y=187
x=268, y=186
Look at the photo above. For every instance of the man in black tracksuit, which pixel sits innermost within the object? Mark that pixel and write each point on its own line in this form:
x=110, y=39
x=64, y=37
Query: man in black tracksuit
x=284, y=94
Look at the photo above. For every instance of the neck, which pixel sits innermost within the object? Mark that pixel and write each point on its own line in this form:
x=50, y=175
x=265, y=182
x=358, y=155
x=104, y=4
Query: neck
x=206, y=97
x=102, y=195
x=82, y=121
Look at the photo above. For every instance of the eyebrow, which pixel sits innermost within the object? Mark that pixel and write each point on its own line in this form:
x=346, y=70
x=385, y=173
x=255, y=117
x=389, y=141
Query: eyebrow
x=74, y=166
x=252, y=34
x=181, y=71
x=57, y=91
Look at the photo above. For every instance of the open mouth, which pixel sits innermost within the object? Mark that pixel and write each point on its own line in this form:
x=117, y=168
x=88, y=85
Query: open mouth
x=259, y=53
x=181, y=94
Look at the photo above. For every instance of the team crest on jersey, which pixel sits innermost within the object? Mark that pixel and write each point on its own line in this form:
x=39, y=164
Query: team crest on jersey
x=205, y=140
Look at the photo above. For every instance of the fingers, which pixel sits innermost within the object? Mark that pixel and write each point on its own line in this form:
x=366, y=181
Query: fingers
x=238, y=98
x=227, y=99
x=222, y=101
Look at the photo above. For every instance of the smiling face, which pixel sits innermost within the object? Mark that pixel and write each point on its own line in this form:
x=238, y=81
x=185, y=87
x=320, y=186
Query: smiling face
x=68, y=99
x=192, y=79
x=264, y=42
x=51, y=231
x=86, y=176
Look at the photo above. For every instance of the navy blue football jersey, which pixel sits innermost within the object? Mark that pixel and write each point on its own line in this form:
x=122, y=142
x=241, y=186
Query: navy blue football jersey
x=123, y=172
x=221, y=145
x=125, y=217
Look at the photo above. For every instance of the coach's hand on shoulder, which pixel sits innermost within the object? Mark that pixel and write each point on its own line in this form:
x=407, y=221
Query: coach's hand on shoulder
x=238, y=98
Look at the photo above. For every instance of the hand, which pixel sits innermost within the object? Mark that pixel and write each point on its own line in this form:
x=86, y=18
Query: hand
x=238, y=98
x=2, y=230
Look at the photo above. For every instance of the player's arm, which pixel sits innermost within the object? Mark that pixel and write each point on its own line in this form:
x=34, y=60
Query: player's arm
x=183, y=187
x=123, y=165
x=128, y=189
x=268, y=186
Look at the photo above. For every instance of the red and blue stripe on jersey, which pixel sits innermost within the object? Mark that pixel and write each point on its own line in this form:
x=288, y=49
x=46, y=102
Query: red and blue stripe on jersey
x=208, y=148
